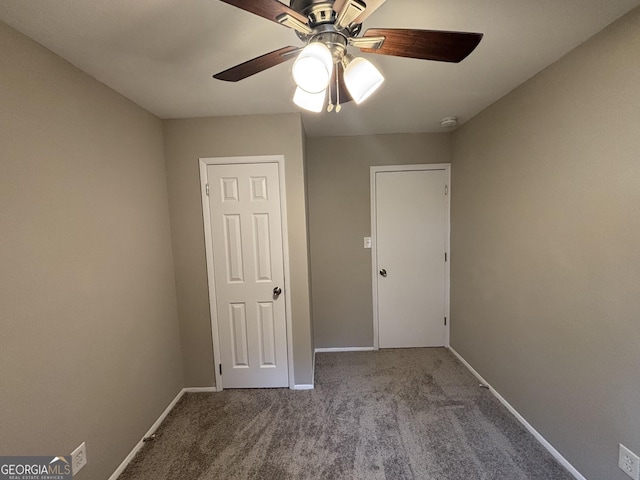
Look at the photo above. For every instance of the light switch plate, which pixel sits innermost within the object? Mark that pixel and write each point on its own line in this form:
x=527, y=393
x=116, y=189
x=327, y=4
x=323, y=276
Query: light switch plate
x=367, y=242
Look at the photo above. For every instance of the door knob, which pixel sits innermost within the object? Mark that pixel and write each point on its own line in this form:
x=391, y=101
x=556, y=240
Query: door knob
x=276, y=292
x=383, y=272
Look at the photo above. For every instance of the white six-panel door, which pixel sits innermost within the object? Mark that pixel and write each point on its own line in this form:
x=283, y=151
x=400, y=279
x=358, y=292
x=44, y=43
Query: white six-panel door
x=246, y=232
x=410, y=232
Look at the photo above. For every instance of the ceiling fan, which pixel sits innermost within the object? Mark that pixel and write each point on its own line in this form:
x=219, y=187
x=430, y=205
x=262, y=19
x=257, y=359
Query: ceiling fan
x=328, y=27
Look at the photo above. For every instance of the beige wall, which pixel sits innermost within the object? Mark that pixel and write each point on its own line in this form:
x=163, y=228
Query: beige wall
x=546, y=249
x=185, y=142
x=89, y=343
x=545, y=262
x=339, y=219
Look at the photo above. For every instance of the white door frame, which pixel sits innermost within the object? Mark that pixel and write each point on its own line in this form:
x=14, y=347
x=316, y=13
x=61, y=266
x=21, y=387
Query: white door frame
x=374, y=252
x=204, y=162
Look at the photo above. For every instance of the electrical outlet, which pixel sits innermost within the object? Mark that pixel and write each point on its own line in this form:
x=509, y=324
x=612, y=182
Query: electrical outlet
x=78, y=459
x=629, y=462
x=367, y=242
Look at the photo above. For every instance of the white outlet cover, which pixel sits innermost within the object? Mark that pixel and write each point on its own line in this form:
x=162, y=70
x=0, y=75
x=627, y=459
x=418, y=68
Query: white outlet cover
x=629, y=462
x=367, y=242
x=78, y=459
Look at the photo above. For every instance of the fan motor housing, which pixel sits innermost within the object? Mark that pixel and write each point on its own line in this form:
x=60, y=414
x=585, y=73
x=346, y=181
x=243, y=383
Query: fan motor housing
x=318, y=11
x=321, y=14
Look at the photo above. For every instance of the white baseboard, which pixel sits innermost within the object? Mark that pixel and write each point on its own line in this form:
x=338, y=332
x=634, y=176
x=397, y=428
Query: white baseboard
x=155, y=426
x=200, y=389
x=313, y=368
x=139, y=445
x=557, y=455
x=343, y=349
x=302, y=387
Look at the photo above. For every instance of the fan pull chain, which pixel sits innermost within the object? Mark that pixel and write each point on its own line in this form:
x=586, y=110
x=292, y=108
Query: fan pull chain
x=338, y=106
x=330, y=105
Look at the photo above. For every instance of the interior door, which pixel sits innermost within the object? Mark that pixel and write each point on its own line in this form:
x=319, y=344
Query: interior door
x=411, y=225
x=244, y=205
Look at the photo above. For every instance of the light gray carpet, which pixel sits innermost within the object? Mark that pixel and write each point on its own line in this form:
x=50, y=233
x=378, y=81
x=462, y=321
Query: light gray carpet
x=392, y=414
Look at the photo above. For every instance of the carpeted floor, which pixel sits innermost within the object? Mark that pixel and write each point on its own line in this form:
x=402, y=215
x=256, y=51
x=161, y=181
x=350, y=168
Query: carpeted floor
x=391, y=414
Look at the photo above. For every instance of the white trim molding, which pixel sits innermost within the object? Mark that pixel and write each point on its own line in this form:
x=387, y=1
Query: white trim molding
x=154, y=427
x=550, y=448
x=343, y=349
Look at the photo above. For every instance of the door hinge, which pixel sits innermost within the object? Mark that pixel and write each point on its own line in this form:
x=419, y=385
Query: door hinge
x=207, y=189
x=446, y=189
x=445, y=321
x=220, y=365
x=445, y=256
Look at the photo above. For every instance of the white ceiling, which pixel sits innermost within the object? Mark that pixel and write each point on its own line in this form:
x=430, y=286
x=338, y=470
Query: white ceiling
x=162, y=54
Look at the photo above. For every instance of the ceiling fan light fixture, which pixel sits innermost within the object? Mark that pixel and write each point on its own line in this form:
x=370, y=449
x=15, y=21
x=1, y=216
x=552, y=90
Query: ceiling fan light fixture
x=313, y=102
x=361, y=78
x=313, y=68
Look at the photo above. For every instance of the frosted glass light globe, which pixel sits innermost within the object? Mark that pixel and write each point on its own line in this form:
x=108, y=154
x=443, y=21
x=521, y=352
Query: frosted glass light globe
x=362, y=78
x=313, y=68
x=312, y=102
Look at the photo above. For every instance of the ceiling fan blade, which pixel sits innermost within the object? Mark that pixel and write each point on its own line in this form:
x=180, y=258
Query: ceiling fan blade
x=435, y=45
x=258, y=64
x=371, y=6
x=269, y=9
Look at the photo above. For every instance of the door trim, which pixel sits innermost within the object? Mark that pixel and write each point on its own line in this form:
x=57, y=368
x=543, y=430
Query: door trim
x=204, y=162
x=374, y=253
